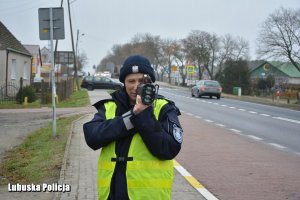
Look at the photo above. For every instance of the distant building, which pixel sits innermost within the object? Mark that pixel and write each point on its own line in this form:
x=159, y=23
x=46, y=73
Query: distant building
x=35, y=61
x=283, y=72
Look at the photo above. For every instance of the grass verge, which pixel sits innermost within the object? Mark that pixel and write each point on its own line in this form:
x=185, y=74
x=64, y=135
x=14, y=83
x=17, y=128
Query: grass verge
x=9, y=105
x=39, y=157
x=80, y=98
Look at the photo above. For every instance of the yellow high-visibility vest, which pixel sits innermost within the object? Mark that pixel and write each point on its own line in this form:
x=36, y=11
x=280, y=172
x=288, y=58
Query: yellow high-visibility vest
x=147, y=177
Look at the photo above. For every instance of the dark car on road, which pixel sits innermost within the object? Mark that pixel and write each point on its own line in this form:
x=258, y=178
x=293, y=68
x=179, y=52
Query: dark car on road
x=208, y=88
x=100, y=82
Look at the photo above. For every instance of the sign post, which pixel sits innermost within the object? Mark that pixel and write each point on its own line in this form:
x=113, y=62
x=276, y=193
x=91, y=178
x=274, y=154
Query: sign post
x=190, y=69
x=51, y=26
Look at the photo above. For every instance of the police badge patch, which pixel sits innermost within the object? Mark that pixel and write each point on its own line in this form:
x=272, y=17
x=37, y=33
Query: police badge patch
x=177, y=133
x=135, y=69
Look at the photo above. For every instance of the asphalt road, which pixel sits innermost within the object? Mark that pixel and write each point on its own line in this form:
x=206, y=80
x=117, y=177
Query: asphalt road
x=16, y=124
x=270, y=125
x=239, y=150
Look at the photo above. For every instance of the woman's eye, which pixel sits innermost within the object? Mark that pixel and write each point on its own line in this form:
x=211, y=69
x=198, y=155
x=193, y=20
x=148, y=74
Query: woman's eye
x=131, y=81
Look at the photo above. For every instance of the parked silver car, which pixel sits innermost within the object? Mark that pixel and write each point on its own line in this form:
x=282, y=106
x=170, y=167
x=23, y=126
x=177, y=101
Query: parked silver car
x=208, y=88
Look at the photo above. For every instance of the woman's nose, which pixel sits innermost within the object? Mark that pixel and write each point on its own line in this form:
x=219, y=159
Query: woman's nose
x=136, y=85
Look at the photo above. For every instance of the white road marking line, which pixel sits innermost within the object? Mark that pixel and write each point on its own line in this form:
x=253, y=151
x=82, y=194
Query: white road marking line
x=252, y=112
x=182, y=171
x=266, y=115
x=206, y=194
x=190, y=114
x=224, y=105
x=277, y=145
x=209, y=121
x=198, y=117
x=255, y=137
x=209, y=102
x=235, y=130
x=287, y=119
x=241, y=109
x=232, y=107
x=222, y=125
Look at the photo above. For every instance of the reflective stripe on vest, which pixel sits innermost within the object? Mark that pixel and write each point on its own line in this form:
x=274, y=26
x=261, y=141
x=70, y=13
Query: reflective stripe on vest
x=147, y=176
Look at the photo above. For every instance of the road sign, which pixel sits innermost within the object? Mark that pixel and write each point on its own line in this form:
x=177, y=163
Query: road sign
x=51, y=24
x=190, y=69
x=64, y=57
x=58, y=23
x=174, y=68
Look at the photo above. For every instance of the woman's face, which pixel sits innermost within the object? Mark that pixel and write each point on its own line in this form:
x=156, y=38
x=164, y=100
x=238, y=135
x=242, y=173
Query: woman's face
x=131, y=82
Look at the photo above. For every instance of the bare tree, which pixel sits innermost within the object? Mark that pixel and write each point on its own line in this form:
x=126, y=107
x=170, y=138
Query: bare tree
x=226, y=50
x=202, y=48
x=180, y=59
x=195, y=45
x=214, y=48
x=241, y=50
x=151, y=47
x=143, y=44
x=232, y=48
x=169, y=47
x=82, y=61
x=279, y=36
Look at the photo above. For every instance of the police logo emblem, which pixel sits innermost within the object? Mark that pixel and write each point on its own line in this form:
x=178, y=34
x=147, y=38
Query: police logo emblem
x=135, y=69
x=177, y=133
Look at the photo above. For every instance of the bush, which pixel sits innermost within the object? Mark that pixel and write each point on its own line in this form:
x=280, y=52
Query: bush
x=27, y=91
x=235, y=74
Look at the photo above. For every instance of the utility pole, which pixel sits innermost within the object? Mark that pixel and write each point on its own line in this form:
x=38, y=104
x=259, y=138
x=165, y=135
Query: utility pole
x=56, y=43
x=73, y=48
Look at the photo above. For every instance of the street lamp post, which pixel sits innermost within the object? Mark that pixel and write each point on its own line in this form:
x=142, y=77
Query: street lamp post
x=77, y=56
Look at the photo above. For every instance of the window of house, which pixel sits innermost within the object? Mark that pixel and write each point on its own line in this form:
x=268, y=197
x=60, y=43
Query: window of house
x=25, y=71
x=13, y=69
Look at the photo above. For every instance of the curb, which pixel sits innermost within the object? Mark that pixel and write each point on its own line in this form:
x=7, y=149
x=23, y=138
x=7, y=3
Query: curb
x=57, y=195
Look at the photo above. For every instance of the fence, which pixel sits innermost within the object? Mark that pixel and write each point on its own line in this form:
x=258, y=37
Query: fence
x=9, y=91
x=64, y=89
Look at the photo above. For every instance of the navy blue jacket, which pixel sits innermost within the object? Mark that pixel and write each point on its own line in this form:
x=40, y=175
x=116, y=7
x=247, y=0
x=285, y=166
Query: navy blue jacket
x=160, y=137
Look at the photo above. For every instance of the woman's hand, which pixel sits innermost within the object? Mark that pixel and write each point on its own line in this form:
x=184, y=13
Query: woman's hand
x=139, y=106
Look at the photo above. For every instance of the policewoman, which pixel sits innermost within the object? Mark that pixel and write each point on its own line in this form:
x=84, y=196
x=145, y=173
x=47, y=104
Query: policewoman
x=137, y=141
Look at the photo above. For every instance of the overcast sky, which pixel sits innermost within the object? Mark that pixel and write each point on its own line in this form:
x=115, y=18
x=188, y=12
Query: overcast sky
x=108, y=22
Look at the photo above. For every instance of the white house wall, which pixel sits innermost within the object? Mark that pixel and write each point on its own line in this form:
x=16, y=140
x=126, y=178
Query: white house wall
x=294, y=81
x=2, y=67
x=20, y=60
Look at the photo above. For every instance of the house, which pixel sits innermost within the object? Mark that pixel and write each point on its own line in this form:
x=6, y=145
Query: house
x=41, y=64
x=284, y=73
x=34, y=50
x=15, y=60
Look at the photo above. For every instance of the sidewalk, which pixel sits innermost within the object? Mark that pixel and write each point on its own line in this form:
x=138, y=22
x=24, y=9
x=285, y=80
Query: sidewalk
x=79, y=170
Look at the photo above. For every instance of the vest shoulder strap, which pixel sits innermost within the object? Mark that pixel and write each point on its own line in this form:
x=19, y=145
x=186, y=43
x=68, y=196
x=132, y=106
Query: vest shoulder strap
x=100, y=103
x=164, y=98
x=172, y=103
